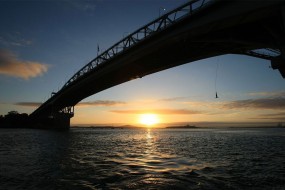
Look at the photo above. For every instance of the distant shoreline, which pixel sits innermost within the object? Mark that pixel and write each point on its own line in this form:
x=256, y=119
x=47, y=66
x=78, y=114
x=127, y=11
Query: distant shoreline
x=170, y=127
x=182, y=127
x=135, y=127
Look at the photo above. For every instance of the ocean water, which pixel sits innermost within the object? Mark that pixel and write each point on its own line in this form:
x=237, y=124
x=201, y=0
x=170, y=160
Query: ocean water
x=85, y=158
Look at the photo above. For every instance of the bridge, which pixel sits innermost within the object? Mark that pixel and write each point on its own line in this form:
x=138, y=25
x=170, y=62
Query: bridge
x=196, y=30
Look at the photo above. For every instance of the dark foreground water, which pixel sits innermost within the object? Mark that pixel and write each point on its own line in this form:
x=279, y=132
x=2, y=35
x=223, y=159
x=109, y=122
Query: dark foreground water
x=142, y=159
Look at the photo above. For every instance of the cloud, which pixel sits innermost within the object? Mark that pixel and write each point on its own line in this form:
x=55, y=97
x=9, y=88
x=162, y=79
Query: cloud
x=267, y=94
x=280, y=116
x=159, y=111
x=81, y=104
x=14, y=39
x=270, y=118
x=262, y=103
x=10, y=65
x=273, y=114
x=101, y=103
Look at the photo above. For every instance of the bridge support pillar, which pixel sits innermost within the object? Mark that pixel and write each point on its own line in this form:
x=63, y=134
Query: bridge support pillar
x=279, y=63
x=58, y=120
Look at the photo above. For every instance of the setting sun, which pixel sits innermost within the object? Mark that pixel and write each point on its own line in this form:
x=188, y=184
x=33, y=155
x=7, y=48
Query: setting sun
x=148, y=119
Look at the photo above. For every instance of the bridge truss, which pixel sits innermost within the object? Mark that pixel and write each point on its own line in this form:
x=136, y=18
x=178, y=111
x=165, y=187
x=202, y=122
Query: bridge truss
x=141, y=34
x=152, y=28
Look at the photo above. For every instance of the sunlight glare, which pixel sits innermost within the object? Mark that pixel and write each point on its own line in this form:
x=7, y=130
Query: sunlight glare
x=148, y=119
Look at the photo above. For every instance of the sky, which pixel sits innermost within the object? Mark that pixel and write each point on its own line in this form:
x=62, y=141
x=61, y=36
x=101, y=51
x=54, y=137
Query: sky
x=43, y=43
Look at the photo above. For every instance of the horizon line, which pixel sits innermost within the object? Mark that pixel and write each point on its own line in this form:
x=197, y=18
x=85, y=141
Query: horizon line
x=196, y=124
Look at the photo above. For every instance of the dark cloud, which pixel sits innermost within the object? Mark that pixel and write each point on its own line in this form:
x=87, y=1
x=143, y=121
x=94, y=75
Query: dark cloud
x=28, y=104
x=280, y=116
x=277, y=118
x=81, y=104
x=10, y=65
x=268, y=94
x=277, y=103
x=270, y=118
x=273, y=114
x=101, y=103
x=159, y=111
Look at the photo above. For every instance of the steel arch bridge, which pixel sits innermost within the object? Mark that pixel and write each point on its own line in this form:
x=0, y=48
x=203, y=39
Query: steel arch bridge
x=197, y=30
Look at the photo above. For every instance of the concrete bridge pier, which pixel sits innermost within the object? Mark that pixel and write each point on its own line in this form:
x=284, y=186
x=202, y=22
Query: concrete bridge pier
x=56, y=120
x=279, y=63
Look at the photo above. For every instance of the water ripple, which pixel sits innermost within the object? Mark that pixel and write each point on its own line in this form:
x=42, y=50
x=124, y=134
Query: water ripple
x=142, y=159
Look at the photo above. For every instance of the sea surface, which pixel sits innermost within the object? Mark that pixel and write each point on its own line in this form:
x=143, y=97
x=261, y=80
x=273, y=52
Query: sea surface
x=83, y=158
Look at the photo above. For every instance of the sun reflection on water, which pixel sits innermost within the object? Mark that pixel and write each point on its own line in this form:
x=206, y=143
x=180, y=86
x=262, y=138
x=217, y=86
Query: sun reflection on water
x=153, y=157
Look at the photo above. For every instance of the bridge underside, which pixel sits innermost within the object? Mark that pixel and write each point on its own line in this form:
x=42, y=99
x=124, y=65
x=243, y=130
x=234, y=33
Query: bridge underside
x=226, y=27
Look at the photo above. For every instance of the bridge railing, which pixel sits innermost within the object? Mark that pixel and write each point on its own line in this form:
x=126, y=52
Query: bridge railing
x=141, y=34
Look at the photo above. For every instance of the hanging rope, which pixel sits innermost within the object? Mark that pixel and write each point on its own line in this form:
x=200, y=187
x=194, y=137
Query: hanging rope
x=217, y=68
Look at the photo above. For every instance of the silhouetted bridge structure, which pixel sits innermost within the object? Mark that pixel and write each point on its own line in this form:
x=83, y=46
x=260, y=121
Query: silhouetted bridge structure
x=196, y=30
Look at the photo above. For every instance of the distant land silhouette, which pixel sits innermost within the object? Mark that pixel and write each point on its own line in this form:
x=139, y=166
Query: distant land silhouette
x=182, y=127
x=135, y=127
x=14, y=120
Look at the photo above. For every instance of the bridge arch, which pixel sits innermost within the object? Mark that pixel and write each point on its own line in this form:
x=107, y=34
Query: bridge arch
x=196, y=30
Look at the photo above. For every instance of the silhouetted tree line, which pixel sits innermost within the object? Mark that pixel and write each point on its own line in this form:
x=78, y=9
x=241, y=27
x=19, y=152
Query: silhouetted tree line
x=14, y=120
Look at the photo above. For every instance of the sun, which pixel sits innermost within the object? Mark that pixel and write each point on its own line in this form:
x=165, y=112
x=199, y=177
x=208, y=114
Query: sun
x=148, y=119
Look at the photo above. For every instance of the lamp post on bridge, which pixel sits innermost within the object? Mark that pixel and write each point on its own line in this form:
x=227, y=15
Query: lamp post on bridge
x=159, y=11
